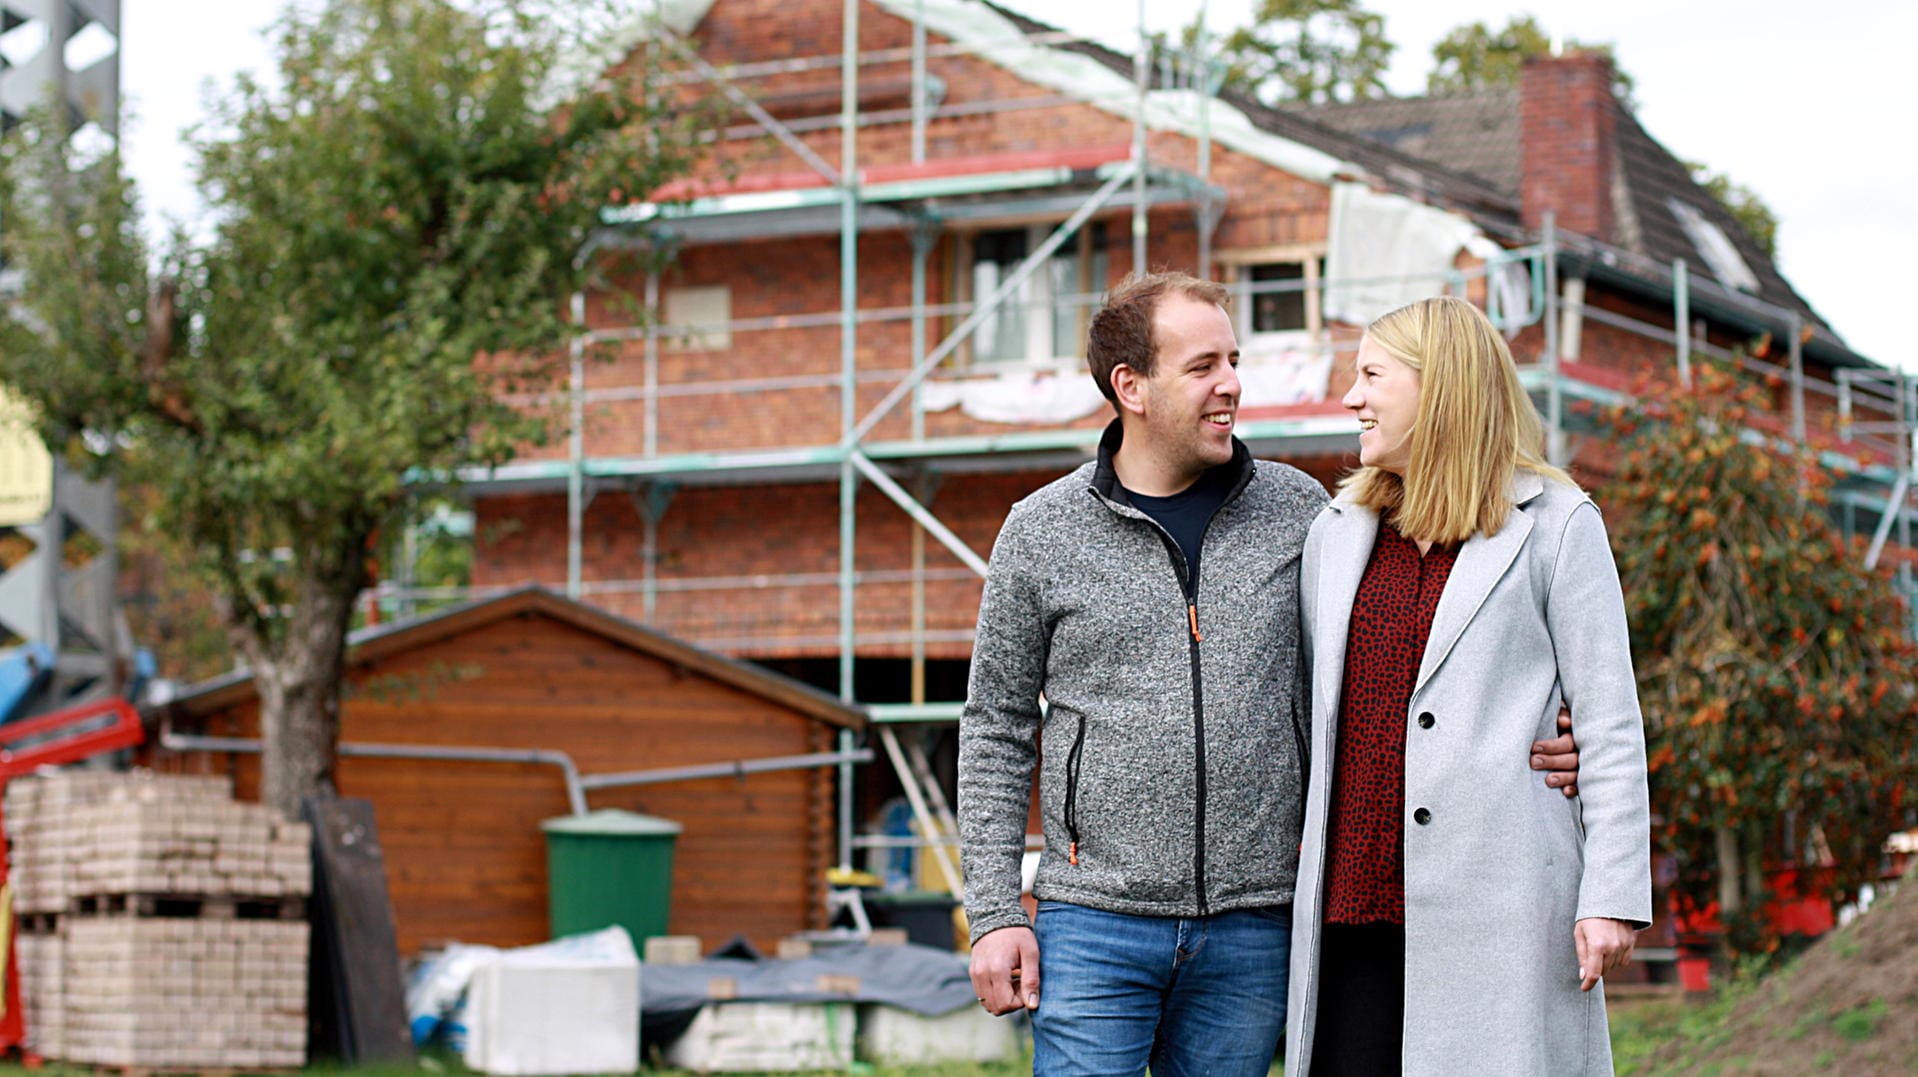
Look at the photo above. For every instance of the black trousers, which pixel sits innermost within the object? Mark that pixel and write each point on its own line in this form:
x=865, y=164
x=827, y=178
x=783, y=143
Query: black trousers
x=1361, y=1014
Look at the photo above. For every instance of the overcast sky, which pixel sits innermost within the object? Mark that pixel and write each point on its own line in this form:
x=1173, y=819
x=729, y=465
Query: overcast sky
x=1803, y=105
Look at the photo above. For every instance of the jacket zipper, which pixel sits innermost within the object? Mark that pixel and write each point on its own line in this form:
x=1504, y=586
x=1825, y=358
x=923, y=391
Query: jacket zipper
x=1299, y=744
x=1072, y=792
x=1198, y=743
x=1190, y=586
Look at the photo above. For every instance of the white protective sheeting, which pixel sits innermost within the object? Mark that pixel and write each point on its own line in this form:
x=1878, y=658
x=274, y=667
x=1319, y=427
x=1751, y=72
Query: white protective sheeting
x=1273, y=373
x=1386, y=251
x=1018, y=396
x=996, y=39
x=1508, y=290
x=1269, y=374
x=563, y=1007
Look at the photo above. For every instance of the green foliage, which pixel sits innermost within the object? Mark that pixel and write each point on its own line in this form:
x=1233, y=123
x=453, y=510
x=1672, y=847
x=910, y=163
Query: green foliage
x=1859, y=1023
x=169, y=607
x=383, y=296
x=1309, y=51
x=1753, y=215
x=1473, y=56
x=1776, y=680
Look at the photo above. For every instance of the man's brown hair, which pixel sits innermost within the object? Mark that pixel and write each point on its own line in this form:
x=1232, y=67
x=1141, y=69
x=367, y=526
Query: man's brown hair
x=1121, y=333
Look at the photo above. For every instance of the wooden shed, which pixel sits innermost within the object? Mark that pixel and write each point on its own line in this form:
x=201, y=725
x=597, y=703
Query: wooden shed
x=531, y=670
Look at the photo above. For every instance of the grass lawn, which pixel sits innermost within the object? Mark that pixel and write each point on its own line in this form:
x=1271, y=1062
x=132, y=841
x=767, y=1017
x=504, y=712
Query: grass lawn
x=1640, y=1027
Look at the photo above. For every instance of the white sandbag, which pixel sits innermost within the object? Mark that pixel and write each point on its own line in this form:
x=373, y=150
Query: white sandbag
x=564, y=1007
x=890, y=1036
x=752, y=1037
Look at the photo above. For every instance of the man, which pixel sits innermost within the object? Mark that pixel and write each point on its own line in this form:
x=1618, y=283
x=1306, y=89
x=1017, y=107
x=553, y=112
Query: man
x=1152, y=598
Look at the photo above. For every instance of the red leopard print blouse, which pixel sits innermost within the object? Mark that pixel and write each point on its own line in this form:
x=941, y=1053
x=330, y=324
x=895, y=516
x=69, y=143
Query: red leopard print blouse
x=1391, y=618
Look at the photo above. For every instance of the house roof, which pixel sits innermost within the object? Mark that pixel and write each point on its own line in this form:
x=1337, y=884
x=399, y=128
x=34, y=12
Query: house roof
x=375, y=644
x=1475, y=134
x=1458, y=152
x=1429, y=180
x=1478, y=134
x=1464, y=151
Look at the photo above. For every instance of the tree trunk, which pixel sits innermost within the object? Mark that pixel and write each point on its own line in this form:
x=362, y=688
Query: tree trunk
x=299, y=676
x=1730, y=869
x=1756, y=891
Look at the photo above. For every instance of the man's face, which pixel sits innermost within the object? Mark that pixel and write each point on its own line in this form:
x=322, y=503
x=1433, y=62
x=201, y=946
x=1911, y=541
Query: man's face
x=1192, y=397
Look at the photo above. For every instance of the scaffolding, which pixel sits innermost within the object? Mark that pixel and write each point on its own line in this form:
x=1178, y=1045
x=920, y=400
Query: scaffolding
x=1874, y=410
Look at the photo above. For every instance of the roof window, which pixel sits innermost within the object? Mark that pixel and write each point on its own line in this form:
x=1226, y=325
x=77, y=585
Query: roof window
x=1715, y=247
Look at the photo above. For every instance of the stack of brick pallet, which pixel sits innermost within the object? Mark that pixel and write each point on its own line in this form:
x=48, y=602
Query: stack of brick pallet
x=162, y=923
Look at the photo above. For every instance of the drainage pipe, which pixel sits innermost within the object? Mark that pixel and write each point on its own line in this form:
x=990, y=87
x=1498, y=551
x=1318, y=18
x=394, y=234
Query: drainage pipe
x=575, y=786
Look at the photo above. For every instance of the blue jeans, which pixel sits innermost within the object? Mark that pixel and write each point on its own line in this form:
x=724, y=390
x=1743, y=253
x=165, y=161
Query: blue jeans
x=1117, y=993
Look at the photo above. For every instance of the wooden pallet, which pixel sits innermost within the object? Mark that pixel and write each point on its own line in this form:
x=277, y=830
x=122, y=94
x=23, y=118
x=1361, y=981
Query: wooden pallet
x=189, y=906
x=37, y=923
x=177, y=1070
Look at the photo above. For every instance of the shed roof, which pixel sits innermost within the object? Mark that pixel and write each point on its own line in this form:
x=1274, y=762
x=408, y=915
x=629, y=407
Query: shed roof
x=372, y=645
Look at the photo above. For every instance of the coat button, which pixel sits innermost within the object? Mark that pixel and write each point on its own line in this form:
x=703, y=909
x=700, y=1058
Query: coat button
x=1426, y=720
x=1422, y=816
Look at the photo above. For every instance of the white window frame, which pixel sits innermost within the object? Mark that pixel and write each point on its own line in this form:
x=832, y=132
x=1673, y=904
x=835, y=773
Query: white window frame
x=1039, y=300
x=696, y=318
x=1235, y=271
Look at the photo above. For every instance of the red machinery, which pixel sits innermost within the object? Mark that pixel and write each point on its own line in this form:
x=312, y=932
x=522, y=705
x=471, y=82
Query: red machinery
x=62, y=736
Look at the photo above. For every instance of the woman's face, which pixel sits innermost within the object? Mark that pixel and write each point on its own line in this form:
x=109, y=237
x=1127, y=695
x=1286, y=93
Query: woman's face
x=1385, y=397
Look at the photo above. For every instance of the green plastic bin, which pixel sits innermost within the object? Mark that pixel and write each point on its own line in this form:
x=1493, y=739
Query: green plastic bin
x=609, y=867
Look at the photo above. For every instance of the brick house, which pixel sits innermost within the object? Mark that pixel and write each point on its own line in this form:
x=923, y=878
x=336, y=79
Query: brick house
x=709, y=492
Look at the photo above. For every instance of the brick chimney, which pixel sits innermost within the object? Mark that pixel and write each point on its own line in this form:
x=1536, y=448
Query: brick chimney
x=1567, y=125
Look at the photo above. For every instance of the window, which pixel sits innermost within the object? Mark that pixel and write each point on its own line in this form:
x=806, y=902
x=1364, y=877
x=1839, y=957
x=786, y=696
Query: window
x=1046, y=318
x=1715, y=247
x=695, y=318
x=1276, y=291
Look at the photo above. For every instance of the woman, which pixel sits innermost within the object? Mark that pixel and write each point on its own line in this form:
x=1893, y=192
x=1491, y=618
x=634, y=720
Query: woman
x=1453, y=914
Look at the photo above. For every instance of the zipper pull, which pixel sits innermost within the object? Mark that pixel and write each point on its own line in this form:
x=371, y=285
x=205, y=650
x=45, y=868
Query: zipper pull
x=1072, y=854
x=1192, y=619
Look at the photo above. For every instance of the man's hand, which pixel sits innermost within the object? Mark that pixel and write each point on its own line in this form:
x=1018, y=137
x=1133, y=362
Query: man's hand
x=1559, y=757
x=1603, y=945
x=1005, y=970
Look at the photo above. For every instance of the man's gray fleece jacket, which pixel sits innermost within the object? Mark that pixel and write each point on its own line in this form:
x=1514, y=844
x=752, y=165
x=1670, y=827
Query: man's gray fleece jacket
x=1172, y=742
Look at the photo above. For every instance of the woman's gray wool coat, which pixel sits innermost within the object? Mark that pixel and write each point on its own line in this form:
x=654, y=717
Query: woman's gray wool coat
x=1501, y=867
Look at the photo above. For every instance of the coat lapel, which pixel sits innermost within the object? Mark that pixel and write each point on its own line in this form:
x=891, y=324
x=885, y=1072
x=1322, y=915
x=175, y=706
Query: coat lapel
x=1481, y=564
x=1343, y=555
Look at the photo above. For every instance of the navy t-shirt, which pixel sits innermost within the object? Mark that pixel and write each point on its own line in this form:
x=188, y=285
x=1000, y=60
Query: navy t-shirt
x=1184, y=515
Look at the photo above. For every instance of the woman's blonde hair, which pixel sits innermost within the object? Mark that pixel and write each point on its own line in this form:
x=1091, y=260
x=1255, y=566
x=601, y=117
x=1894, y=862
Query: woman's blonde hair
x=1475, y=426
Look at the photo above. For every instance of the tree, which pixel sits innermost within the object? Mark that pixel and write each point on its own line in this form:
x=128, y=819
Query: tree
x=1308, y=51
x=1774, y=670
x=399, y=224
x=1753, y=215
x=1476, y=57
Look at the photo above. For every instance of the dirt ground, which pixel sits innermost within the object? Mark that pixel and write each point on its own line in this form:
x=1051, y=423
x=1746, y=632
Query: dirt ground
x=1849, y=1005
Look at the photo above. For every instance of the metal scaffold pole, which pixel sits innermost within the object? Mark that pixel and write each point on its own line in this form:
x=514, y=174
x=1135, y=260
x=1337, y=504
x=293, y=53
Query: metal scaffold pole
x=1796, y=327
x=848, y=389
x=1142, y=63
x=919, y=82
x=576, y=451
x=1554, y=390
x=1682, y=319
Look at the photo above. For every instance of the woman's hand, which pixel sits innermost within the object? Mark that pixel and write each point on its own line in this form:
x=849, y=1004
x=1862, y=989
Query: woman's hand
x=1603, y=945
